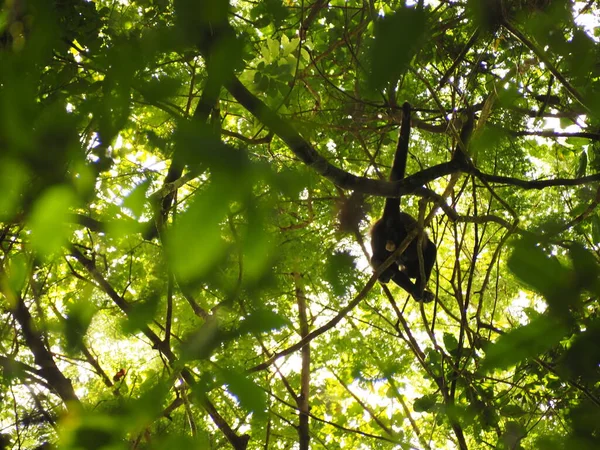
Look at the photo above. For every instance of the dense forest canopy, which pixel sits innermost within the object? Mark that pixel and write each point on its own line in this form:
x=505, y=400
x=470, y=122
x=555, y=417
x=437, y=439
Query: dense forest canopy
x=187, y=189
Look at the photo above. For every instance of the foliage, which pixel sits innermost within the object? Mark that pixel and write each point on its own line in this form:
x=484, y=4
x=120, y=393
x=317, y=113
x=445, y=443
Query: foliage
x=187, y=188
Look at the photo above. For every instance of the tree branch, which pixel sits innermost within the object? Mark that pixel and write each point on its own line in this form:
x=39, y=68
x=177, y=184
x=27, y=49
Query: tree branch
x=409, y=185
x=303, y=398
x=328, y=326
x=42, y=355
x=557, y=134
x=543, y=58
x=238, y=442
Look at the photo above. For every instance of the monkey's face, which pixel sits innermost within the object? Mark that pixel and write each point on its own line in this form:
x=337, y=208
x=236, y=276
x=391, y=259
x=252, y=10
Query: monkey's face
x=394, y=235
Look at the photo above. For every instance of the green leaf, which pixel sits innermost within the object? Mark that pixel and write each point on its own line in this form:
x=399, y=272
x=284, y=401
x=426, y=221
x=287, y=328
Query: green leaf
x=258, y=248
x=13, y=181
x=289, y=45
x=277, y=10
x=136, y=200
x=194, y=243
x=565, y=122
x=93, y=430
x=585, y=267
x=398, y=37
x=158, y=90
x=141, y=313
x=203, y=342
x=155, y=140
x=425, y=403
x=541, y=272
x=583, y=356
x=339, y=270
x=522, y=343
x=512, y=411
x=48, y=220
x=79, y=314
x=121, y=227
x=18, y=270
x=249, y=394
x=513, y=434
x=261, y=321
x=273, y=47
x=577, y=142
x=148, y=405
x=450, y=342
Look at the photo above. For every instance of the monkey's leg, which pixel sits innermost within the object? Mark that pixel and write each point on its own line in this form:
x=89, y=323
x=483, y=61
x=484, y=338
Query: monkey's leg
x=402, y=280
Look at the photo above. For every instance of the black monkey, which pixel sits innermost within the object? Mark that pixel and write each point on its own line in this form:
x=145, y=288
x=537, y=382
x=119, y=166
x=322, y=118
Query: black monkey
x=393, y=227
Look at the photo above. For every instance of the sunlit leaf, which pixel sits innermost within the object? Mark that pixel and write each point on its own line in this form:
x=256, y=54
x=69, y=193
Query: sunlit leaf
x=49, y=218
x=79, y=314
x=195, y=243
x=17, y=272
x=136, y=200
x=527, y=341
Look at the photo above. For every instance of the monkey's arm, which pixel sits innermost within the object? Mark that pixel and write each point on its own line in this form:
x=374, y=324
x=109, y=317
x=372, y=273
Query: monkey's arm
x=388, y=273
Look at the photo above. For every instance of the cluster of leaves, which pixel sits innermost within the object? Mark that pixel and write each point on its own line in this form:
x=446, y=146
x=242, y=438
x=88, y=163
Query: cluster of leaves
x=183, y=264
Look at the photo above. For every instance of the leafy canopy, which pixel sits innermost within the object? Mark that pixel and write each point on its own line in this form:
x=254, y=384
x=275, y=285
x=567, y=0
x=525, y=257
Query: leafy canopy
x=187, y=189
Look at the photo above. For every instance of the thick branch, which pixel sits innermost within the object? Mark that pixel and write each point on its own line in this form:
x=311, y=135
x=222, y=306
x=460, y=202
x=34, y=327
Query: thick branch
x=309, y=156
x=557, y=134
x=535, y=184
x=312, y=15
x=409, y=185
x=43, y=357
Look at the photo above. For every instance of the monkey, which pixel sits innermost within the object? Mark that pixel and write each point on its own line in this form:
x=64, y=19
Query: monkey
x=393, y=227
